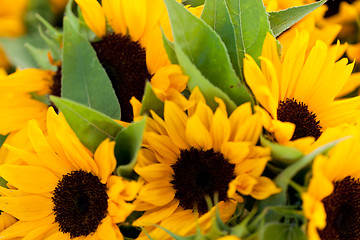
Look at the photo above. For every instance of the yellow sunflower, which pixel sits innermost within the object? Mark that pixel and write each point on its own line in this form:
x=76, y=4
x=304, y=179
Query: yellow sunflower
x=193, y=154
x=62, y=190
x=298, y=92
x=332, y=200
x=133, y=52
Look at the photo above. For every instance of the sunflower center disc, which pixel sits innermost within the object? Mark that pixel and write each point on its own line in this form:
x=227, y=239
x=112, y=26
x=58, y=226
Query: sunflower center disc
x=56, y=86
x=80, y=203
x=125, y=63
x=198, y=174
x=298, y=113
x=343, y=211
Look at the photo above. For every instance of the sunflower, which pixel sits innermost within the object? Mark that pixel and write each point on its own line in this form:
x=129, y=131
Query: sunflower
x=332, y=200
x=133, y=52
x=63, y=191
x=193, y=154
x=298, y=93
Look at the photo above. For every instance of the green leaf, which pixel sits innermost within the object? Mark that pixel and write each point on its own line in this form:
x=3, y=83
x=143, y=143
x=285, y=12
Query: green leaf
x=196, y=79
x=2, y=139
x=84, y=80
x=169, y=48
x=284, y=19
x=128, y=144
x=90, y=126
x=217, y=16
x=282, y=154
x=3, y=183
x=206, y=51
x=193, y=3
x=251, y=25
x=40, y=57
x=17, y=53
x=151, y=102
x=71, y=16
x=280, y=231
x=34, y=8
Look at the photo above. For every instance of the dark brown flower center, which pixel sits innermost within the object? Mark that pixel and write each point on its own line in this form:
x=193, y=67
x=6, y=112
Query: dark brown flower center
x=125, y=63
x=56, y=86
x=343, y=211
x=298, y=113
x=80, y=203
x=198, y=174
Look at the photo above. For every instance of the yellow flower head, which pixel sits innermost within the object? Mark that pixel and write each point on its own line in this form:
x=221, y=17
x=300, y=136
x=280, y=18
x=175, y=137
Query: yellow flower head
x=61, y=190
x=133, y=53
x=198, y=153
x=332, y=200
x=298, y=91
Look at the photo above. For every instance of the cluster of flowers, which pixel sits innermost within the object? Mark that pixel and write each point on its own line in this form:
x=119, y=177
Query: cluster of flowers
x=166, y=119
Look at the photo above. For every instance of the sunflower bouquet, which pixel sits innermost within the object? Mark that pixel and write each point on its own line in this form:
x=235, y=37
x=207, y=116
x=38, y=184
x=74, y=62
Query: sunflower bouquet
x=185, y=120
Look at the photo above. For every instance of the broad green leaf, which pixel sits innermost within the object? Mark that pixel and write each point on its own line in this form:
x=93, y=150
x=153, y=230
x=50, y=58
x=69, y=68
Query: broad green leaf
x=284, y=19
x=128, y=144
x=41, y=57
x=151, y=102
x=282, y=154
x=251, y=25
x=90, y=126
x=204, y=48
x=196, y=79
x=281, y=231
x=216, y=15
x=84, y=80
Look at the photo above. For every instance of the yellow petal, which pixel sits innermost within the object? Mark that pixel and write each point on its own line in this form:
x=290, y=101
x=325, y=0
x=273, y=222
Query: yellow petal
x=105, y=159
x=175, y=120
x=154, y=172
x=135, y=17
x=29, y=178
x=220, y=129
x=40, y=232
x=19, y=229
x=163, y=147
x=197, y=135
x=243, y=183
x=264, y=188
x=27, y=208
x=156, y=215
x=108, y=230
x=157, y=193
x=93, y=15
x=113, y=11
